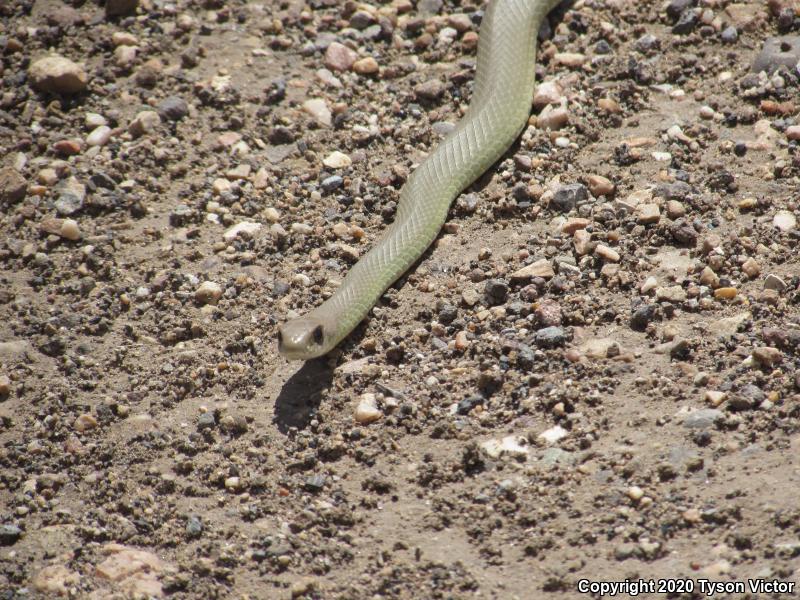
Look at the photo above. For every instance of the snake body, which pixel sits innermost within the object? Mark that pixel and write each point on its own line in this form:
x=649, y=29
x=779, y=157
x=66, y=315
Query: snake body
x=498, y=111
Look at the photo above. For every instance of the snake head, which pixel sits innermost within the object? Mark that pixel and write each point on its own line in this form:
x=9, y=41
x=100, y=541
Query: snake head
x=301, y=339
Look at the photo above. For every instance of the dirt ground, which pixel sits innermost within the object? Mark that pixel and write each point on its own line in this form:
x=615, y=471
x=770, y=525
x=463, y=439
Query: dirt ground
x=592, y=375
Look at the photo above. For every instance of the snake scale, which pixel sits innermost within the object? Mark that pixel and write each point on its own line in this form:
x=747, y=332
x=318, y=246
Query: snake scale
x=497, y=113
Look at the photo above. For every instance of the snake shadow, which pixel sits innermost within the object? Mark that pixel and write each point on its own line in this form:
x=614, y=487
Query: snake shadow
x=300, y=396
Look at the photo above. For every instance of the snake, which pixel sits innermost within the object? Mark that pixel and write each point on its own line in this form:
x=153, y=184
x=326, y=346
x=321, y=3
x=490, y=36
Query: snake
x=497, y=113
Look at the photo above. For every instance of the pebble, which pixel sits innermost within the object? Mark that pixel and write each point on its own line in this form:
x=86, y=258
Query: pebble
x=513, y=446
x=125, y=56
x=55, y=580
x=547, y=92
x=725, y=293
x=99, y=136
x=69, y=230
x=84, y=422
x=366, y=66
x=648, y=213
x=635, y=493
x=550, y=337
x=553, y=118
x=337, y=160
x=715, y=397
x=702, y=418
x=784, y=221
x=541, y=268
x=773, y=282
x=751, y=268
x=430, y=90
x=318, y=109
x=643, y=316
x=208, y=292
x=12, y=186
x=367, y=410
x=767, y=356
x=553, y=435
x=144, y=122
x=600, y=186
x=248, y=228
x=339, y=57
x=777, y=52
x=173, y=108
x=569, y=59
x=331, y=184
x=57, y=75
x=119, y=8
x=136, y=570
x=709, y=278
x=567, y=197
x=9, y=535
x=5, y=386
x=607, y=253
x=793, y=132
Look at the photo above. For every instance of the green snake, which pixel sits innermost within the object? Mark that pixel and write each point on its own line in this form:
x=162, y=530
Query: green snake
x=497, y=113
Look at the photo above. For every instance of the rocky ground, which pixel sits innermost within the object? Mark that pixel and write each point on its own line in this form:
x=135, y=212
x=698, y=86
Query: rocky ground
x=592, y=375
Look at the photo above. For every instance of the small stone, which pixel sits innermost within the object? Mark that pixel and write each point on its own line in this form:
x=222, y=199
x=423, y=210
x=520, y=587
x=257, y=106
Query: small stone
x=208, y=292
x=773, y=282
x=173, y=108
x=221, y=186
x=99, y=136
x=547, y=92
x=675, y=209
x=554, y=434
x=70, y=230
x=725, y=293
x=767, y=356
x=206, y=421
x=607, y=253
x=12, y=186
x=635, y=493
x=339, y=57
x=55, y=580
x=366, y=66
x=5, y=386
x=709, y=278
x=541, y=268
x=512, y=446
x=675, y=294
x=567, y=197
x=570, y=226
x=367, y=410
x=600, y=186
x=194, y=526
x=248, y=228
x=57, y=75
x=124, y=38
x=119, y=8
x=550, y=337
x=703, y=418
x=648, y=213
x=715, y=397
x=643, y=316
x=569, y=59
x=553, y=117
x=751, y=268
x=793, y=132
x=337, y=160
x=461, y=341
x=84, y=422
x=496, y=291
x=144, y=122
x=331, y=184
x=125, y=56
x=430, y=90
x=318, y=109
x=649, y=284
x=9, y=535
x=233, y=484
x=784, y=221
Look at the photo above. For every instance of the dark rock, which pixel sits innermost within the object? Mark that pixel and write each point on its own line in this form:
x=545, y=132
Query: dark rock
x=9, y=534
x=687, y=21
x=684, y=233
x=118, y=8
x=496, y=291
x=550, y=337
x=568, y=196
x=729, y=35
x=172, y=108
x=194, y=526
x=206, y=421
x=778, y=52
x=331, y=184
x=280, y=135
x=467, y=404
x=315, y=483
x=447, y=313
x=643, y=316
x=676, y=8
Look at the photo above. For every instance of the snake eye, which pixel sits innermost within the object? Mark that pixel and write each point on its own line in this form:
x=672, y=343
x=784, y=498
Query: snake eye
x=318, y=334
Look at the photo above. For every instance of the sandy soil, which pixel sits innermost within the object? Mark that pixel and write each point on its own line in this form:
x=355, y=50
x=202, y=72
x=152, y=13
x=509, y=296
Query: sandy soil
x=591, y=376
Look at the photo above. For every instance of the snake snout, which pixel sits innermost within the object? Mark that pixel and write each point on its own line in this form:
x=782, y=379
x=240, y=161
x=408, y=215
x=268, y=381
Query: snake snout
x=301, y=339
